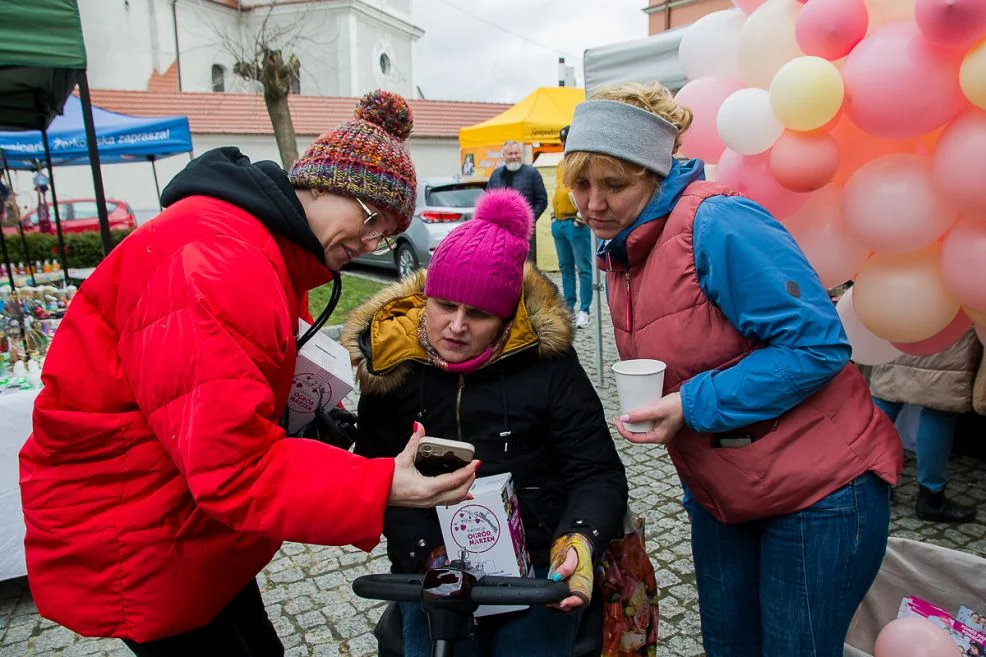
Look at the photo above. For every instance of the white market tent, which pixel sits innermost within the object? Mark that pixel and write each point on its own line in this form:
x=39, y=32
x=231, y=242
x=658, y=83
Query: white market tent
x=640, y=60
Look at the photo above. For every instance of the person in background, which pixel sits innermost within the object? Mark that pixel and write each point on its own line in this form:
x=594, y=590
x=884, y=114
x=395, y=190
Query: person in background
x=479, y=348
x=525, y=179
x=158, y=481
x=770, y=427
x=573, y=242
x=942, y=386
x=836, y=293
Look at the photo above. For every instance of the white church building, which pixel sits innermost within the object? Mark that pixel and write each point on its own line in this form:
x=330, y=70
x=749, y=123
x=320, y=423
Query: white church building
x=176, y=57
x=345, y=47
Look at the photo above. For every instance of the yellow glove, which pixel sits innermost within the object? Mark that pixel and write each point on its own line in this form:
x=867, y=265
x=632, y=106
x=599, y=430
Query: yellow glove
x=580, y=578
x=438, y=558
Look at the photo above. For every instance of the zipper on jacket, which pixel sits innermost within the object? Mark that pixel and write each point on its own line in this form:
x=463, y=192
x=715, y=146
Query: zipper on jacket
x=506, y=433
x=629, y=304
x=458, y=405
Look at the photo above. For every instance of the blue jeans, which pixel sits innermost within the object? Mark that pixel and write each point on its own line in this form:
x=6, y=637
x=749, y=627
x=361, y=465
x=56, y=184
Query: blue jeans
x=574, y=246
x=789, y=585
x=535, y=632
x=936, y=430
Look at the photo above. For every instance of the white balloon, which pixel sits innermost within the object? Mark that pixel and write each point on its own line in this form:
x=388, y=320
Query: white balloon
x=768, y=42
x=710, y=46
x=867, y=348
x=746, y=123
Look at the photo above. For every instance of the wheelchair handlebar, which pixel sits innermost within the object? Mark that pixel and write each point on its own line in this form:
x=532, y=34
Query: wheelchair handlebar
x=519, y=591
x=396, y=588
x=489, y=590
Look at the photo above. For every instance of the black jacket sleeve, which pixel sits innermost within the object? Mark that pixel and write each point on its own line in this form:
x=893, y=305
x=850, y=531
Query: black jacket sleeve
x=587, y=457
x=496, y=179
x=411, y=533
x=540, y=194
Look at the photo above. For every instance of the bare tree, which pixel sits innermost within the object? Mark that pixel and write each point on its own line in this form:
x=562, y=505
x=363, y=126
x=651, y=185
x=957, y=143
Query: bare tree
x=268, y=61
x=278, y=75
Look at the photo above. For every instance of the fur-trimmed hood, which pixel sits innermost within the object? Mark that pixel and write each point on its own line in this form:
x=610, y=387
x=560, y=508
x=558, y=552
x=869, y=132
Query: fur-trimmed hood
x=381, y=334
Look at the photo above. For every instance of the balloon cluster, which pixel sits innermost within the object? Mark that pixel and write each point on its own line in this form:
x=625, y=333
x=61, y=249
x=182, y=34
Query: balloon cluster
x=914, y=637
x=860, y=124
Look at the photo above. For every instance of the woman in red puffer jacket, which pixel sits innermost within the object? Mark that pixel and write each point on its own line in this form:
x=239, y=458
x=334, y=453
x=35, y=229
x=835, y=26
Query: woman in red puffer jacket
x=158, y=481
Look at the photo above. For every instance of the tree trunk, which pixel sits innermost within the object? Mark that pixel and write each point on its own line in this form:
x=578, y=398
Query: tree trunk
x=277, y=77
x=280, y=118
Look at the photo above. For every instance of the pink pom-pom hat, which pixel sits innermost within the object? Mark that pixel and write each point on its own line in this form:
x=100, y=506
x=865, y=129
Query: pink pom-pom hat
x=481, y=263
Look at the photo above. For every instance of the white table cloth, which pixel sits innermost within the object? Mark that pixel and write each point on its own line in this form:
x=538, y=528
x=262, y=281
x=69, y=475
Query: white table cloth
x=15, y=427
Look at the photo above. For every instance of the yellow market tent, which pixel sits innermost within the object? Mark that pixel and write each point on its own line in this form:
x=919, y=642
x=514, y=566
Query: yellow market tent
x=537, y=118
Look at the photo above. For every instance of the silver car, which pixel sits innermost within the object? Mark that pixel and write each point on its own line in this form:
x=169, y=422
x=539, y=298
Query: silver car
x=442, y=204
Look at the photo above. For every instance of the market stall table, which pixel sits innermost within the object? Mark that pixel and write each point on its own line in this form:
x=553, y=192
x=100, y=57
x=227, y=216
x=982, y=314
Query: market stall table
x=15, y=427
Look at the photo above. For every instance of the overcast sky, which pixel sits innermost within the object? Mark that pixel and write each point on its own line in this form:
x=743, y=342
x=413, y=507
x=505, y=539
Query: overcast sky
x=501, y=50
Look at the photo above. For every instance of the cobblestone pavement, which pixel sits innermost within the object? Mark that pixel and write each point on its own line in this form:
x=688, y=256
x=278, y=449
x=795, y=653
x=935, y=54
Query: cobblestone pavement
x=308, y=594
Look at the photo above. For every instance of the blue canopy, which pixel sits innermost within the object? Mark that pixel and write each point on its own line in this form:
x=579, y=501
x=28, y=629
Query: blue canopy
x=120, y=138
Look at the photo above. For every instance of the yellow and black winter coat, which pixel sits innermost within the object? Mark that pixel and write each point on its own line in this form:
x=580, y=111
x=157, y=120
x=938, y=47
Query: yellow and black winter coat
x=533, y=412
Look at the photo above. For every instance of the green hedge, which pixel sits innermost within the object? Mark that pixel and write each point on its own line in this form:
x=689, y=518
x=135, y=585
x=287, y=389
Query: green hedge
x=83, y=249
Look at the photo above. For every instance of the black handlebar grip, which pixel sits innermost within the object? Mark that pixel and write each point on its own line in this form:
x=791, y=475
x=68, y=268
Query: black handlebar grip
x=489, y=590
x=518, y=591
x=399, y=588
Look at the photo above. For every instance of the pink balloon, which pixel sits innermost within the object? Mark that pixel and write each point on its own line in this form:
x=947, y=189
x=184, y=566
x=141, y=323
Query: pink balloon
x=804, y=161
x=704, y=97
x=831, y=28
x=750, y=176
x=899, y=84
x=857, y=148
x=747, y=6
x=892, y=206
x=960, y=160
x=963, y=253
x=913, y=637
x=822, y=235
x=948, y=336
x=952, y=23
x=902, y=297
x=867, y=348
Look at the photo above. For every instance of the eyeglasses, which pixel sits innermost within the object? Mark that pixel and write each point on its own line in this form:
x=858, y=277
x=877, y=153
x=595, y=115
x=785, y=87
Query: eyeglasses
x=370, y=234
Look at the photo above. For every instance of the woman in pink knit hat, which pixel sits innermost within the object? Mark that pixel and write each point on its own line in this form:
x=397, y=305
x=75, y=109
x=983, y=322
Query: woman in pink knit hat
x=479, y=349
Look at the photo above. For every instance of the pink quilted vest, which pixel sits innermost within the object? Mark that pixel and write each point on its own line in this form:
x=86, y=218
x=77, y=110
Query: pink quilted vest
x=659, y=311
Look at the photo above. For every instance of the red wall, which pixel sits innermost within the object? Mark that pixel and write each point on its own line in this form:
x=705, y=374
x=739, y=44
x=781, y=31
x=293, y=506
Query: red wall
x=682, y=15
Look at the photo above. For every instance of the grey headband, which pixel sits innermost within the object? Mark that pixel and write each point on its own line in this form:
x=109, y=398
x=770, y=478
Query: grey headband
x=626, y=132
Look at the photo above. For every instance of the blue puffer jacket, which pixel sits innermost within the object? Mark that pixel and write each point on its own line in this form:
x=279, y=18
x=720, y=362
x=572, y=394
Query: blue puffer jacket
x=752, y=269
x=527, y=180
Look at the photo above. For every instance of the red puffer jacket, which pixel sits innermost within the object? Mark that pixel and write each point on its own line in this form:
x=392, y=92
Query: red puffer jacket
x=157, y=481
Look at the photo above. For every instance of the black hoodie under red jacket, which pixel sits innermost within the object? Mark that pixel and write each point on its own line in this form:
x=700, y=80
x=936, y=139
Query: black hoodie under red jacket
x=158, y=481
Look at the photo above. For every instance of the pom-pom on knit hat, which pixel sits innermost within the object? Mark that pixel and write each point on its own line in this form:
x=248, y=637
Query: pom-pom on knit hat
x=366, y=157
x=481, y=263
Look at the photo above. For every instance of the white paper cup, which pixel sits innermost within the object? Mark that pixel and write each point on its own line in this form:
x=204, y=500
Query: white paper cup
x=639, y=382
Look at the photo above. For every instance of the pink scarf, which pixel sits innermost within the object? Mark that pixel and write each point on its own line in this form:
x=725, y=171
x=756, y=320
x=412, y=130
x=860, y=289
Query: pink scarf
x=487, y=356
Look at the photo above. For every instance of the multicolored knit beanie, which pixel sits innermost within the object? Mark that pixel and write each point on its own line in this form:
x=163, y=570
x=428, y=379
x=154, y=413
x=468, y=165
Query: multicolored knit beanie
x=366, y=157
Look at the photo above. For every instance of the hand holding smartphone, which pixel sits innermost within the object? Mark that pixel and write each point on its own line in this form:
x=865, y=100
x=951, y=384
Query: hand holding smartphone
x=436, y=456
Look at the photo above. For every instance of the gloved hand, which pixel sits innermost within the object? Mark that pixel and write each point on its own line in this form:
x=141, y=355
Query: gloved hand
x=571, y=560
x=335, y=426
x=340, y=428
x=438, y=558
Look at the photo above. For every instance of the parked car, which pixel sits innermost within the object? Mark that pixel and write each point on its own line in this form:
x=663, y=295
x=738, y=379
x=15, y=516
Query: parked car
x=80, y=215
x=442, y=204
